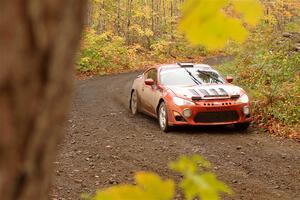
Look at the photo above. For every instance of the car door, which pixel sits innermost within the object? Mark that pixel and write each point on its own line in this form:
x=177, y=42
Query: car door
x=150, y=94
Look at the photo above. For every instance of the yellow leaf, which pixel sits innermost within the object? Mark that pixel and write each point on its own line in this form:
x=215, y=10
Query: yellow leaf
x=149, y=187
x=122, y=192
x=204, y=22
x=154, y=186
x=251, y=10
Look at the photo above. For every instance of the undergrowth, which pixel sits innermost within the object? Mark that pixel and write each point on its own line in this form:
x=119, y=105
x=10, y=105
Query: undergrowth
x=107, y=53
x=268, y=69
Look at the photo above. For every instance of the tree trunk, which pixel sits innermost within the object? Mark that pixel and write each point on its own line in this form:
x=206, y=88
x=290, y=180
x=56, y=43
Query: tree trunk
x=38, y=40
x=152, y=16
x=118, y=18
x=129, y=10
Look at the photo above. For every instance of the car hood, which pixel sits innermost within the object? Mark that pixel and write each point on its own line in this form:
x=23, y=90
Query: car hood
x=209, y=91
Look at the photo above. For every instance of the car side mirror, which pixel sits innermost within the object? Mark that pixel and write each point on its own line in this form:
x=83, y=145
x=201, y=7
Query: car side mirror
x=229, y=79
x=149, y=81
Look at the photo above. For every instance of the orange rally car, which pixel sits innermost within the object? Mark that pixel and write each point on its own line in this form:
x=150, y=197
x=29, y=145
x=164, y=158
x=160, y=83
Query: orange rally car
x=189, y=94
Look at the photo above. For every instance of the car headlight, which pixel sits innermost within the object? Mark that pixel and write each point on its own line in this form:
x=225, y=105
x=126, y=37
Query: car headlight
x=181, y=102
x=187, y=113
x=243, y=99
x=246, y=110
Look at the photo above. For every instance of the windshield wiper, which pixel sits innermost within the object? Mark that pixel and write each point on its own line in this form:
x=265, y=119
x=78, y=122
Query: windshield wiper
x=210, y=76
x=193, y=77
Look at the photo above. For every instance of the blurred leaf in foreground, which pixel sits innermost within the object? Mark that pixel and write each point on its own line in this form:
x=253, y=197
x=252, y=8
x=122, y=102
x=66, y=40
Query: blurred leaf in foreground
x=149, y=187
x=196, y=182
x=206, y=22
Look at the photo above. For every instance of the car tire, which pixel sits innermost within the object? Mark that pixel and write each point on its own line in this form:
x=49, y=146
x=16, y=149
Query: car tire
x=134, y=103
x=163, y=117
x=241, y=126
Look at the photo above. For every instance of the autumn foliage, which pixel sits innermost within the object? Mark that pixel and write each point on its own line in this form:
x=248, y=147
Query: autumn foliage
x=125, y=35
x=267, y=66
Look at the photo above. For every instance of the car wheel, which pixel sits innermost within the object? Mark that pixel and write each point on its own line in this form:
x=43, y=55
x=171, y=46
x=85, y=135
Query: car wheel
x=163, y=117
x=134, y=103
x=241, y=126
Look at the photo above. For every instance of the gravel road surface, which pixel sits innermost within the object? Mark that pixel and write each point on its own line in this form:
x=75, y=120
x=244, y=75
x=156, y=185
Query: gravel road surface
x=105, y=145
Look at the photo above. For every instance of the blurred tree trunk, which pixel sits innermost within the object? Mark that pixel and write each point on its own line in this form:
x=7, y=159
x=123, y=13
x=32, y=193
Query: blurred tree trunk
x=38, y=42
x=89, y=15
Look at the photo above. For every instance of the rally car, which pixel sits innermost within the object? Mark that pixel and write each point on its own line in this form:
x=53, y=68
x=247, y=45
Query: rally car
x=189, y=94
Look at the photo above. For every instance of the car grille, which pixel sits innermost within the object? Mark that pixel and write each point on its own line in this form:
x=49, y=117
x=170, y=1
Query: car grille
x=216, y=117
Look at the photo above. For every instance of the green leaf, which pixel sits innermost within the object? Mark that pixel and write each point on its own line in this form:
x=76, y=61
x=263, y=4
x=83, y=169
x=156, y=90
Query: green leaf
x=205, y=186
x=195, y=183
x=187, y=164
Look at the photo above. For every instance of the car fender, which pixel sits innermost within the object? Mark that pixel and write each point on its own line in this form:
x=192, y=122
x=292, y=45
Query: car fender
x=136, y=85
x=165, y=97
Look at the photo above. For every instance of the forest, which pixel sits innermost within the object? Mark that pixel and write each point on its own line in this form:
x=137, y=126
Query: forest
x=129, y=35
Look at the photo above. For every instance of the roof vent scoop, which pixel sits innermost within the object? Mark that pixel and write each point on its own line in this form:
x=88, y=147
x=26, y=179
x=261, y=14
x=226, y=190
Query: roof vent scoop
x=185, y=64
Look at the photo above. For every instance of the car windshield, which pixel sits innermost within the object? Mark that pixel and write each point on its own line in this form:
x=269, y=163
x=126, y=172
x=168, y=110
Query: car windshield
x=189, y=76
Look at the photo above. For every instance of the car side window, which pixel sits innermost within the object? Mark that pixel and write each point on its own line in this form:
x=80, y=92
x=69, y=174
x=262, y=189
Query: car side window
x=152, y=73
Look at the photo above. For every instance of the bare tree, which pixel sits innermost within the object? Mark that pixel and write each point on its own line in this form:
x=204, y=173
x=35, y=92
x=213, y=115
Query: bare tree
x=38, y=42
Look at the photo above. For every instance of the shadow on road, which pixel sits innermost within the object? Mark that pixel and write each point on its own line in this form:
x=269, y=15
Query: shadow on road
x=215, y=129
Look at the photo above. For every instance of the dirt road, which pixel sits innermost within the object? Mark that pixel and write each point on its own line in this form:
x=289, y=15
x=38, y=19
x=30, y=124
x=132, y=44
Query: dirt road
x=105, y=145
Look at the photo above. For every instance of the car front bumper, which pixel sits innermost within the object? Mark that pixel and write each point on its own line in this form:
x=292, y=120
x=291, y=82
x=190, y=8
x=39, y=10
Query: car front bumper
x=210, y=113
